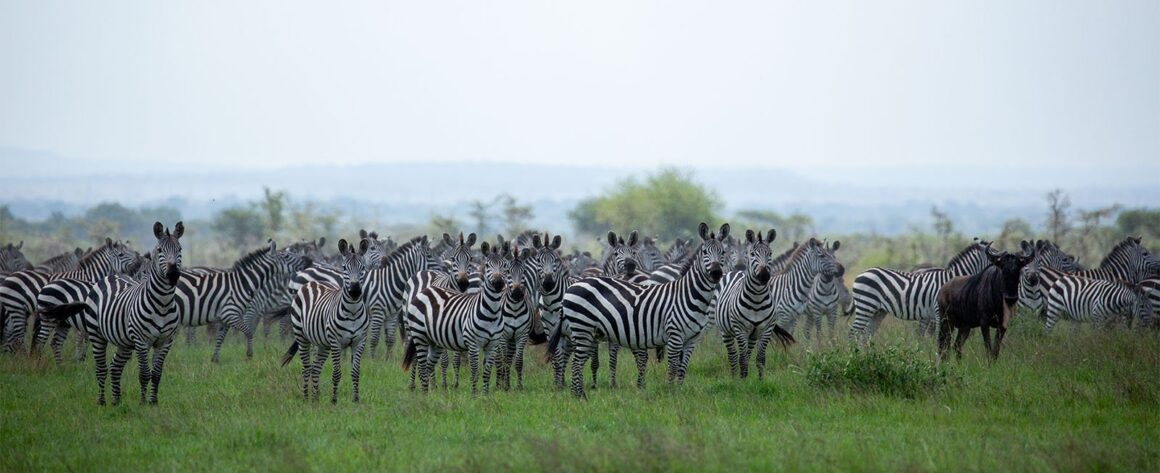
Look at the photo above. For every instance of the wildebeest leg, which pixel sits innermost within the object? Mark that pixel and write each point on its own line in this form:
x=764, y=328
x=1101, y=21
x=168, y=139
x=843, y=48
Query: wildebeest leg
x=964, y=332
x=987, y=339
x=944, y=337
x=1000, y=332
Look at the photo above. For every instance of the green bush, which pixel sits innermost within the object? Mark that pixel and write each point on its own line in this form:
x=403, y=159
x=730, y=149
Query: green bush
x=892, y=371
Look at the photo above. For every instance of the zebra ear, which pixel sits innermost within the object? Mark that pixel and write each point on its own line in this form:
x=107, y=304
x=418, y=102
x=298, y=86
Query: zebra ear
x=836, y=245
x=158, y=231
x=373, y=235
x=556, y=242
x=749, y=237
x=363, y=246
x=724, y=231
x=21, y=245
x=447, y=240
x=524, y=253
x=770, y=235
x=108, y=242
x=470, y=240
x=362, y=233
x=178, y=230
x=273, y=244
x=321, y=242
x=703, y=231
x=632, y=238
x=342, y=245
x=484, y=248
x=536, y=242
x=611, y=239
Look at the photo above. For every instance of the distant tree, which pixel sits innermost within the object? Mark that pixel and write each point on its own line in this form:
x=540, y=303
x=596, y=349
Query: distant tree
x=241, y=226
x=443, y=224
x=583, y=217
x=1139, y=222
x=1014, y=231
x=944, y=229
x=481, y=216
x=515, y=216
x=1058, y=223
x=795, y=227
x=273, y=204
x=668, y=204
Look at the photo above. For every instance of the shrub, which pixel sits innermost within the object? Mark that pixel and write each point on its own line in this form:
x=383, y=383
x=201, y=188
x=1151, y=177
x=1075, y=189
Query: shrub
x=893, y=371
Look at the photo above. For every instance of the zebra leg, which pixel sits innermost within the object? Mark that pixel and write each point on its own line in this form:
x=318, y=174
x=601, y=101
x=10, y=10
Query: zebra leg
x=316, y=371
x=304, y=355
x=580, y=355
x=99, y=359
x=743, y=350
x=521, y=343
x=336, y=372
x=389, y=329
x=686, y=355
x=143, y=374
x=832, y=318
x=809, y=326
x=731, y=351
x=762, y=343
x=960, y=340
x=285, y=328
x=559, y=363
x=444, y=360
x=427, y=375
x=190, y=336
x=455, y=366
x=490, y=355
x=595, y=363
x=159, y=355
x=355, y=368
x=473, y=361
x=119, y=360
x=613, y=351
x=673, y=353
x=376, y=330
x=641, y=356
x=267, y=324
x=57, y=343
x=44, y=327
x=82, y=337
x=217, y=344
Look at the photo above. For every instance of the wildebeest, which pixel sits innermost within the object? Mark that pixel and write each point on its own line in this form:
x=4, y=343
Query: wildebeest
x=984, y=300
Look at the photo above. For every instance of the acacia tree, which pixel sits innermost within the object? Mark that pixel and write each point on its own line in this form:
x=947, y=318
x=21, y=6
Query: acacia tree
x=668, y=204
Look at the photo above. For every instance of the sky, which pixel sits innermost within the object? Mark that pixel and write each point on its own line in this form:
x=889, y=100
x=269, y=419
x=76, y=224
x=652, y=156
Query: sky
x=797, y=84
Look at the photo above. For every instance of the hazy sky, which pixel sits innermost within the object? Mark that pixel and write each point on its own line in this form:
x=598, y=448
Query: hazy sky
x=794, y=83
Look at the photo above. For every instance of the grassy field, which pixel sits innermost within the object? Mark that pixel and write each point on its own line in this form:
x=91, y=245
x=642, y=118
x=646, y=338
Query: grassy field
x=1087, y=400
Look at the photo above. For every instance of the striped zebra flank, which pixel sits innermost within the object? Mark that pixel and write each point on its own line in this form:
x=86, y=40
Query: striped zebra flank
x=1081, y=299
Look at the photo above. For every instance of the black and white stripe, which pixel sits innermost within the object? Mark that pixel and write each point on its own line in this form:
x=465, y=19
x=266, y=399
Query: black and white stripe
x=1081, y=299
x=642, y=317
x=744, y=304
x=331, y=318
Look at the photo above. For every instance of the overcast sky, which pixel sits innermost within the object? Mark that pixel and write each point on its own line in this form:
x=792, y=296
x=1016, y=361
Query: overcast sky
x=795, y=83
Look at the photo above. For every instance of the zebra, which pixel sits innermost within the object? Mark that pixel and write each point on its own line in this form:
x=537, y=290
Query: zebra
x=211, y=296
x=12, y=259
x=678, y=252
x=134, y=316
x=1082, y=299
x=386, y=285
x=618, y=260
x=828, y=296
x=643, y=317
x=648, y=256
x=790, y=290
x=19, y=290
x=331, y=318
x=520, y=308
x=1151, y=288
x=272, y=301
x=744, y=304
x=440, y=319
x=67, y=261
x=457, y=275
x=909, y=296
x=1047, y=255
x=1128, y=261
x=111, y=258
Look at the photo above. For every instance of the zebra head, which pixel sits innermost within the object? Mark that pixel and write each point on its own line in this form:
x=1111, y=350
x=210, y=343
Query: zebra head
x=619, y=258
x=167, y=252
x=376, y=248
x=12, y=259
x=760, y=261
x=839, y=269
x=551, y=266
x=352, y=264
x=712, y=254
x=121, y=255
x=648, y=255
x=517, y=273
x=1048, y=255
x=457, y=259
x=1131, y=260
x=492, y=267
x=815, y=258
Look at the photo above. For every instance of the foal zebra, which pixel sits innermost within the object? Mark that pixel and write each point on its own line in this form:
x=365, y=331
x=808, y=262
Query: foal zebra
x=641, y=317
x=134, y=316
x=332, y=319
x=909, y=296
x=828, y=296
x=441, y=319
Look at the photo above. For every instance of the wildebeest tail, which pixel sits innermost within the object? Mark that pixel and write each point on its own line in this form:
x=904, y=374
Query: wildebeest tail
x=290, y=352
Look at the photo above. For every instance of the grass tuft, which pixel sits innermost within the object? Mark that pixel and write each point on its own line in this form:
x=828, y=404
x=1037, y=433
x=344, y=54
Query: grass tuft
x=893, y=371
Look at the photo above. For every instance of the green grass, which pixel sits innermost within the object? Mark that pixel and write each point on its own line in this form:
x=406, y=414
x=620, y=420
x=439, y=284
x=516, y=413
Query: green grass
x=1087, y=400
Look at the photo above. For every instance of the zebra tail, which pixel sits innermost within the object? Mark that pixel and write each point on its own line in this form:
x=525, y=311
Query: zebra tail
x=63, y=311
x=290, y=352
x=409, y=355
x=537, y=337
x=785, y=338
x=849, y=310
x=553, y=342
x=282, y=312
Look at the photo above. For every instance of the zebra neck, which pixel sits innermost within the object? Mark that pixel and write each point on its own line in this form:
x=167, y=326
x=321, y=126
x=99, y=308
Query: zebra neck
x=696, y=284
x=490, y=305
x=797, y=280
x=754, y=288
x=96, y=267
x=351, y=308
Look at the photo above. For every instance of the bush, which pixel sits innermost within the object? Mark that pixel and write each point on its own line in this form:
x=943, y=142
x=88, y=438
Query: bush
x=893, y=371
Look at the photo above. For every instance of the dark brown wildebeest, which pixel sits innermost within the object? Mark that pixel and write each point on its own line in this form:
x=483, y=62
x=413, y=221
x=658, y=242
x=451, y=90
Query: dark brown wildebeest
x=984, y=300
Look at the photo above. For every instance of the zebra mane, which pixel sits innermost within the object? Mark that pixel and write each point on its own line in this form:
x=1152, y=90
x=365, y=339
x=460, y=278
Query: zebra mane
x=88, y=258
x=795, y=254
x=956, y=259
x=57, y=258
x=250, y=258
x=1118, y=251
x=400, y=252
x=780, y=260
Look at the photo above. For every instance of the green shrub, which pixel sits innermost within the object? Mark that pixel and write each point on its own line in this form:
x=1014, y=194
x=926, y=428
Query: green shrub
x=892, y=371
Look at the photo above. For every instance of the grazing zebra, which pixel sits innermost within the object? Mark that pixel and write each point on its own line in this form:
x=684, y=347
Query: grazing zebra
x=134, y=316
x=1081, y=299
x=744, y=303
x=909, y=296
x=440, y=319
x=1128, y=261
x=111, y=258
x=828, y=296
x=1047, y=255
x=19, y=290
x=642, y=317
x=212, y=296
x=331, y=318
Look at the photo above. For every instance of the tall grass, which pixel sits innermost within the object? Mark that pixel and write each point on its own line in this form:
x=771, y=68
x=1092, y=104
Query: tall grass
x=1083, y=400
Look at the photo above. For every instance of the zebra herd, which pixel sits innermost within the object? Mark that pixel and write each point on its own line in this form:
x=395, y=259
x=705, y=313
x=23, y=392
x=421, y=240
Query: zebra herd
x=449, y=300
